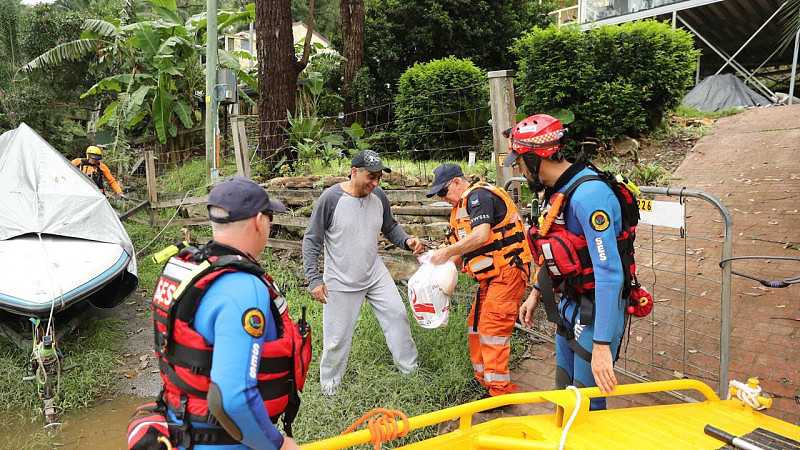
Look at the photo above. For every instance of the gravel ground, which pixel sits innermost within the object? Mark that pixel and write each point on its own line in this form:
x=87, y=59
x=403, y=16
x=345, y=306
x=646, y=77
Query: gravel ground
x=137, y=373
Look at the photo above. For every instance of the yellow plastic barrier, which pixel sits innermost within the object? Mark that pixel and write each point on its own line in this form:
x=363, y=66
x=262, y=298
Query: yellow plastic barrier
x=664, y=426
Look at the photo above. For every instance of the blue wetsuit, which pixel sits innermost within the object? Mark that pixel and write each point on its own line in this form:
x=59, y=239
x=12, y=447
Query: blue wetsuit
x=219, y=320
x=609, y=309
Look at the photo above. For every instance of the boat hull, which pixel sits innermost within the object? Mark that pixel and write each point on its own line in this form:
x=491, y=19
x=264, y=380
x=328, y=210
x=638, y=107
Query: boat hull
x=56, y=272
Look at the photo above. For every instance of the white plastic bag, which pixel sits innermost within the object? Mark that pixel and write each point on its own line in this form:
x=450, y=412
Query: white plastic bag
x=429, y=291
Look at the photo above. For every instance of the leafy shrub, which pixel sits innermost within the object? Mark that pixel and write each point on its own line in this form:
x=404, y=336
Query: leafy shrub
x=618, y=79
x=436, y=103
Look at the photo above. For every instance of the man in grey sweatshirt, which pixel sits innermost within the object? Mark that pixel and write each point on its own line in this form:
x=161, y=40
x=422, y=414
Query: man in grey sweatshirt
x=347, y=221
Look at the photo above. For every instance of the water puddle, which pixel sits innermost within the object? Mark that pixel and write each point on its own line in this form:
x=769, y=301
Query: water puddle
x=102, y=426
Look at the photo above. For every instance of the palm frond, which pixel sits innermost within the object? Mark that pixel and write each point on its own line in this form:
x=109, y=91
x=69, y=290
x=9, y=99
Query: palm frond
x=68, y=51
x=101, y=27
x=228, y=60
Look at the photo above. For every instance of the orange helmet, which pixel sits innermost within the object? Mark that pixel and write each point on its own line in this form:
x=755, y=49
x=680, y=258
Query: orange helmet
x=539, y=133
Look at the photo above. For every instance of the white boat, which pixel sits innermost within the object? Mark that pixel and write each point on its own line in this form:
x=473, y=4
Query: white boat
x=61, y=243
x=57, y=272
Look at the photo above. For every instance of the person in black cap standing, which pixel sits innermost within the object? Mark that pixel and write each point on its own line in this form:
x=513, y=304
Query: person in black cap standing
x=347, y=221
x=217, y=317
x=488, y=237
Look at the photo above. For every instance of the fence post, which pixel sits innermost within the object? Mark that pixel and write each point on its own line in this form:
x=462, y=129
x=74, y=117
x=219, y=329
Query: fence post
x=504, y=114
x=152, y=192
x=239, y=136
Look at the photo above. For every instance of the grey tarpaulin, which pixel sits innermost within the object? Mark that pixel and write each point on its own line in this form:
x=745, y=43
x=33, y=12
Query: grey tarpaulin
x=725, y=91
x=42, y=192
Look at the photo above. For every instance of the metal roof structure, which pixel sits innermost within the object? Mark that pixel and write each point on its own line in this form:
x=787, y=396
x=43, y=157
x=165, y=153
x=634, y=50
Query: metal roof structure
x=739, y=36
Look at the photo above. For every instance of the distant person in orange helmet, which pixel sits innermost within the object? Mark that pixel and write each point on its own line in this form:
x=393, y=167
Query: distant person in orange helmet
x=97, y=171
x=487, y=234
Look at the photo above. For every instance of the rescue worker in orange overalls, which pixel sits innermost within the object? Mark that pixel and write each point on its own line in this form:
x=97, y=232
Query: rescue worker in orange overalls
x=97, y=171
x=487, y=235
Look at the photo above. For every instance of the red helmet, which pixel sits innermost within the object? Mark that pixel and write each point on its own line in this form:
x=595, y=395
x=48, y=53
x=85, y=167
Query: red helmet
x=538, y=133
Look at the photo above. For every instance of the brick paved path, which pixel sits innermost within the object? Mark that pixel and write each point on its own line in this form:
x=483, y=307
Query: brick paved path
x=751, y=162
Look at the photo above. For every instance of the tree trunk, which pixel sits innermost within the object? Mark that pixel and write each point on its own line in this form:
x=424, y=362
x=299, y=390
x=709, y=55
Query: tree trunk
x=352, y=15
x=277, y=78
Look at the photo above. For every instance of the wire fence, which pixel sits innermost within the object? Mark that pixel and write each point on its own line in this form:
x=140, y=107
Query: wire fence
x=688, y=331
x=413, y=135
x=687, y=334
x=455, y=122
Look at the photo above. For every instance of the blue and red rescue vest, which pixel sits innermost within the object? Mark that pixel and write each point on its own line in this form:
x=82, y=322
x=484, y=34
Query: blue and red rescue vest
x=185, y=356
x=566, y=257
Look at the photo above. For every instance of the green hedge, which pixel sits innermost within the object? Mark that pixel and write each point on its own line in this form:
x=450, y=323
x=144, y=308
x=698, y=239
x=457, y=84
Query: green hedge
x=618, y=79
x=442, y=108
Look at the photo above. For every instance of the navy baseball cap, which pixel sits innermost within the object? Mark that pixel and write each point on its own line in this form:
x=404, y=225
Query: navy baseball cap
x=242, y=198
x=369, y=160
x=443, y=174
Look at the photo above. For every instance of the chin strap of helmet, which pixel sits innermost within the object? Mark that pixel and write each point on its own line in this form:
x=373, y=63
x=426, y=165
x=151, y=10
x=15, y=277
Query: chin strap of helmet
x=533, y=162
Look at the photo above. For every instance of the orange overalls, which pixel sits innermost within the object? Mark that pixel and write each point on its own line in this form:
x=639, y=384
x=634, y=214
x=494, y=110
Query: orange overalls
x=502, y=266
x=96, y=173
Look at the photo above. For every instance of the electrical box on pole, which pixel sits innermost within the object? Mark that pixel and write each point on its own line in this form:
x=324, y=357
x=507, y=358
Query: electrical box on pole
x=227, y=90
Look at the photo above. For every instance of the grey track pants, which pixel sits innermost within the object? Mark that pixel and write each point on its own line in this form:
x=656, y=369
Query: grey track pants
x=339, y=317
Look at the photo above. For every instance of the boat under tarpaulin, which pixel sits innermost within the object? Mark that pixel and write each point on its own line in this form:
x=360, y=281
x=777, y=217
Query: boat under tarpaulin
x=61, y=242
x=721, y=92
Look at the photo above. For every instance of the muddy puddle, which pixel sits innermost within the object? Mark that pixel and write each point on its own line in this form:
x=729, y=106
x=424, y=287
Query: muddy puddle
x=102, y=426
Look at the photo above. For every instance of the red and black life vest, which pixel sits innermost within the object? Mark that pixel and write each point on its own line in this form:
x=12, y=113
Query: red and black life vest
x=185, y=356
x=566, y=255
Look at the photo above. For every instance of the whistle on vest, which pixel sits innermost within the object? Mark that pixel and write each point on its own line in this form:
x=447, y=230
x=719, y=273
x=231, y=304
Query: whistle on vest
x=621, y=179
x=167, y=253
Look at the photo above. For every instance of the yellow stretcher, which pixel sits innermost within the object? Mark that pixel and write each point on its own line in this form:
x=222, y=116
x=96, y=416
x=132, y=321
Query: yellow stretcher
x=674, y=426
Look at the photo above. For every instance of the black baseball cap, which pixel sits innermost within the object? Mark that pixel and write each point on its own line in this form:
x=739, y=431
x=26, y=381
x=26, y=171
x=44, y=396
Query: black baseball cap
x=242, y=198
x=443, y=174
x=369, y=160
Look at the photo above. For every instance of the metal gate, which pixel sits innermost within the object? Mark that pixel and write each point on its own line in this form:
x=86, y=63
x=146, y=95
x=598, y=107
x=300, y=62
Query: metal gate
x=681, y=239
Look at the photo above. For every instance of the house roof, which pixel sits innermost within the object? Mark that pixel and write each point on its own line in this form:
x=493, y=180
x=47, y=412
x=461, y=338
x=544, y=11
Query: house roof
x=299, y=30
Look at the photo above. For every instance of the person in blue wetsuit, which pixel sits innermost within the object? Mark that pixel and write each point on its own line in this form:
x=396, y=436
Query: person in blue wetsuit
x=229, y=404
x=578, y=253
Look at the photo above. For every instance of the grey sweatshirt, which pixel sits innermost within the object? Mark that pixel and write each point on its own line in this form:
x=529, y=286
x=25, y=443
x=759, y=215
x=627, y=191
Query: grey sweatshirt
x=348, y=228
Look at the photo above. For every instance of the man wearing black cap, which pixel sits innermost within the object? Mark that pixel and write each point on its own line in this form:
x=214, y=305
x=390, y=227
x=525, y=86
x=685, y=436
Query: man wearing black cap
x=487, y=234
x=347, y=221
x=216, y=315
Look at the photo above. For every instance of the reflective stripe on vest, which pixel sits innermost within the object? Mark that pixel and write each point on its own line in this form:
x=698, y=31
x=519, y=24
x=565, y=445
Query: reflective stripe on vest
x=507, y=243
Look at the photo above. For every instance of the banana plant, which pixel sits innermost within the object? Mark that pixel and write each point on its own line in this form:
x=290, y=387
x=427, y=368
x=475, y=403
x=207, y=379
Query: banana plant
x=159, y=69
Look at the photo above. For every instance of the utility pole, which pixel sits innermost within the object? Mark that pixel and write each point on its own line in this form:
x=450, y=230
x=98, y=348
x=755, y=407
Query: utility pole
x=211, y=80
x=504, y=114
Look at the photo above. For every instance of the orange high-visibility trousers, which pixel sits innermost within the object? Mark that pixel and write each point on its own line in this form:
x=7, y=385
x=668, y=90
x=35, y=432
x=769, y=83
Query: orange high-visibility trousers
x=490, y=345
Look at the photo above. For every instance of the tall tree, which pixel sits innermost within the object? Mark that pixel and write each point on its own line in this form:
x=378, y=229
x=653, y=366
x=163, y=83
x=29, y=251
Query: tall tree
x=400, y=33
x=9, y=40
x=352, y=16
x=326, y=17
x=277, y=75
